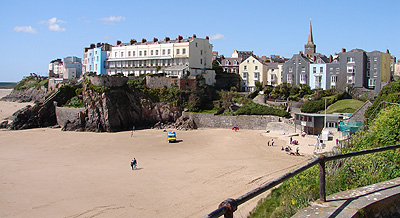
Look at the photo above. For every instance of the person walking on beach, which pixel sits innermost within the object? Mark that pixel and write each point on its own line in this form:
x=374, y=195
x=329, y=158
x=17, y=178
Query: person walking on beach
x=268, y=143
x=133, y=130
x=134, y=164
x=290, y=140
x=272, y=142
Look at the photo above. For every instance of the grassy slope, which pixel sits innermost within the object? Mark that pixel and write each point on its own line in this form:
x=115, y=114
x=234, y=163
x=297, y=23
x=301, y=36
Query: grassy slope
x=344, y=106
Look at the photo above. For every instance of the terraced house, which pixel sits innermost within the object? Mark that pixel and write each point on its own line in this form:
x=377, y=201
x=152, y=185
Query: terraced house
x=178, y=58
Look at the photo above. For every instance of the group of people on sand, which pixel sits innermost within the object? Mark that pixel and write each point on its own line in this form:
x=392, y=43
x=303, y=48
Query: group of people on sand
x=134, y=164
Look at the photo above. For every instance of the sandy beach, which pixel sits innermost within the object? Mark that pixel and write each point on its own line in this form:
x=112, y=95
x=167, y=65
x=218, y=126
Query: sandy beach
x=49, y=173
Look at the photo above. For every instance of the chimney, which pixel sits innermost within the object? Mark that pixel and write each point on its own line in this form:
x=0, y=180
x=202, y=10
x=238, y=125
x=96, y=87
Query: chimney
x=330, y=59
x=314, y=58
x=194, y=36
x=207, y=37
x=155, y=39
x=133, y=41
x=92, y=46
x=387, y=51
x=144, y=40
x=343, y=50
x=118, y=42
x=167, y=39
x=222, y=57
x=179, y=38
x=301, y=53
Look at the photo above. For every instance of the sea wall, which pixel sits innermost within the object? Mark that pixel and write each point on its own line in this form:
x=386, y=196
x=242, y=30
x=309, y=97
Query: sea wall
x=257, y=122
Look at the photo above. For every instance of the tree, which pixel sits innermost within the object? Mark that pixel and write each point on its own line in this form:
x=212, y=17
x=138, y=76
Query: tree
x=217, y=67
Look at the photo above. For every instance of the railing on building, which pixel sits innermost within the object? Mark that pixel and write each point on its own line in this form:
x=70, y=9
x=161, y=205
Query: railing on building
x=230, y=205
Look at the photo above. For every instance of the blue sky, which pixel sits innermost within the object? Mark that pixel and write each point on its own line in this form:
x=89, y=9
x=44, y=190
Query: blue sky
x=35, y=32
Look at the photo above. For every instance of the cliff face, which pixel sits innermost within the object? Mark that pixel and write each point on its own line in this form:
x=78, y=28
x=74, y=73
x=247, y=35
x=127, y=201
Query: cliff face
x=120, y=109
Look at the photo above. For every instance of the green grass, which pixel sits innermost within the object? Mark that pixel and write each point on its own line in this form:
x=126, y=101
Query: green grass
x=344, y=106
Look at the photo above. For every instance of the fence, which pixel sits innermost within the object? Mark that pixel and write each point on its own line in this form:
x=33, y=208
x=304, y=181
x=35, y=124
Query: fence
x=230, y=205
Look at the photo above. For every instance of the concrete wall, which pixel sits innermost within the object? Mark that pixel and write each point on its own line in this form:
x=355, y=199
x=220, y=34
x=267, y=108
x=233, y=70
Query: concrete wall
x=256, y=122
x=64, y=114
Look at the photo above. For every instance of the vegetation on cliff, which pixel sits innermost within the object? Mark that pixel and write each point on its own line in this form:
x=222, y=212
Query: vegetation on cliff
x=344, y=174
x=32, y=81
x=318, y=102
x=252, y=108
x=389, y=93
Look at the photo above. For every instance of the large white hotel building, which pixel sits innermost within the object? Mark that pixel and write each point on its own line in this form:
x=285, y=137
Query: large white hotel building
x=179, y=58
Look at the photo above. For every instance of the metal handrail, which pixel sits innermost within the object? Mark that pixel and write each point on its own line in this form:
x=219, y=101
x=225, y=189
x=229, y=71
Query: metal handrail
x=230, y=205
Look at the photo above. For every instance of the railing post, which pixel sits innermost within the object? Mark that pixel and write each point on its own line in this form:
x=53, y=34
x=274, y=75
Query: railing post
x=231, y=206
x=322, y=195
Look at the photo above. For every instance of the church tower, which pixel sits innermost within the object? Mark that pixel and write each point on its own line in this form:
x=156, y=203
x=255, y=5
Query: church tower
x=310, y=48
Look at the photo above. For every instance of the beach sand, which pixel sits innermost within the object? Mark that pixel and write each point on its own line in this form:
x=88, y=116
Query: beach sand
x=49, y=173
x=8, y=108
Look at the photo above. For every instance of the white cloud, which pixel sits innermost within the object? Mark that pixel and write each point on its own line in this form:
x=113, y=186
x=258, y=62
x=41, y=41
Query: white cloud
x=54, y=24
x=217, y=36
x=112, y=19
x=25, y=29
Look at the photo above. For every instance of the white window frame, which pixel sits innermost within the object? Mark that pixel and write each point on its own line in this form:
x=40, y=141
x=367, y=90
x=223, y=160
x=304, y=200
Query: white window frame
x=303, y=78
x=371, y=82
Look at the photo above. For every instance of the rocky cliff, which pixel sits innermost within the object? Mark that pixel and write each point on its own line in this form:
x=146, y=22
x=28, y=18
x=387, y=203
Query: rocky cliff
x=119, y=109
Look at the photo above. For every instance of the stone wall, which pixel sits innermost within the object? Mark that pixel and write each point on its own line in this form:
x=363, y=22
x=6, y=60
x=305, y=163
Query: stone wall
x=65, y=114
x=358, y=116
x=108, y=81
x=158, y=82
x=257, y=122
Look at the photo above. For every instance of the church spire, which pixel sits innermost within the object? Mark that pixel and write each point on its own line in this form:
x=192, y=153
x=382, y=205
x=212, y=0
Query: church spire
x=310, y=37
x=310, y=48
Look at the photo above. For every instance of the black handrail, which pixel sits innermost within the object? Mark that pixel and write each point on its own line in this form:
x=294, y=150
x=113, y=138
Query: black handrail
x=230, y=205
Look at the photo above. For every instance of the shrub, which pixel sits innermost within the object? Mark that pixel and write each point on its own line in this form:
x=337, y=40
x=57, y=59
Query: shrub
x=252, y=108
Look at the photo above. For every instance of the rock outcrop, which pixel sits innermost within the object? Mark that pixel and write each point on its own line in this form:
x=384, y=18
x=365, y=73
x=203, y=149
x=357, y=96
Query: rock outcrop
x=32, y=94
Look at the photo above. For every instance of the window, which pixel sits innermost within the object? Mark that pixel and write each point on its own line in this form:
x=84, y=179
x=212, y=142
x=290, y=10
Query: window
x=350, y=79
x=255, y=67
x=303, y=79
x=144, y=52
x=314, y=70
x=245, y=75
x=351, y=69
x=290, y=69
x=169, y=51
x=201, y=61
x=273, y=77
x=140, y=53
x=201, y=52
x=337, y=69
x=226, y=62
x=196, y=44
x=350, y=60
x=290, y=78
x=115, y=54
x=151, y=52
x=129, y=53
x=256, y=76
x=375, y=66
x=318, y=80
x=254, y=61
x=236, y=63
x=133, y=53
x=368, y=73
x=371, y=82
x=375, y=58
x=122, y=54
x=248, y=61
x=303, y=69
x=183, y=50
x=245, y=67
x=163, y=52
x=156, y=52
x=321, y=70
x=95, y=52
x=226, y=69
x=333, y=79
x=331, y=70
x=177, y=51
